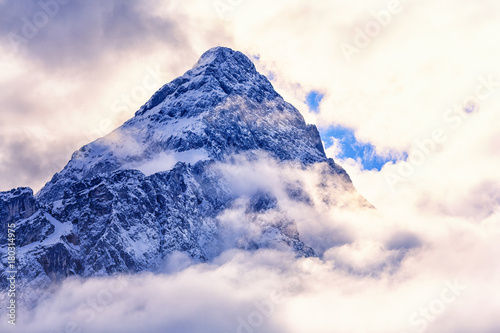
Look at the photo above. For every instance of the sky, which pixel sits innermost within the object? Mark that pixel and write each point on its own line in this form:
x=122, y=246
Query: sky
x=342, y=140
x=372, y=93
x=406, y=95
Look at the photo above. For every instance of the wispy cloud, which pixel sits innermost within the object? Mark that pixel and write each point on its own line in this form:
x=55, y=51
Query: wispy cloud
x=380, y=270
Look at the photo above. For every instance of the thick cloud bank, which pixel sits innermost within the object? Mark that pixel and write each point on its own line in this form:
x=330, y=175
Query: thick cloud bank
x=406, y=273
x=426, y=84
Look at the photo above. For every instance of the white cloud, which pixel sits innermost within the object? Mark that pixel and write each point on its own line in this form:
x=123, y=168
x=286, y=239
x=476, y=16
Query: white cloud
x=165, y=162
x=451, y=275
x=395, y=94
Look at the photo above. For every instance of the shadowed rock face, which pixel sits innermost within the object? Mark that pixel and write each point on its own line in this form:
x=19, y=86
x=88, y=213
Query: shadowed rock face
x=15, y=205
x=155, y=185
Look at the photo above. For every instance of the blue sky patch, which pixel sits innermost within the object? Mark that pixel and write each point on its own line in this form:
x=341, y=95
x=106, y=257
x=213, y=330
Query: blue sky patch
x=313, y=100
x=352, y=148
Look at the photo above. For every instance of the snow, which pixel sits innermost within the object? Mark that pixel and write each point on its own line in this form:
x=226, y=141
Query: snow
x=60, y=230
x=6, y=196
x=178, y=128
x=222, y=108
x=166, y=161
x=138, y=239
x=58, y=205
x=207, y=58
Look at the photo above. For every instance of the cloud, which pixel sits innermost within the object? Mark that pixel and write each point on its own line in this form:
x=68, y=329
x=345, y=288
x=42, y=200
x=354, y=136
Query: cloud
x=408, y=91
x=385, y=270
x=164, y=162
x=86, y=71
x=38, y=161
x=354, y=287
x=61, y=33
x=385, y=93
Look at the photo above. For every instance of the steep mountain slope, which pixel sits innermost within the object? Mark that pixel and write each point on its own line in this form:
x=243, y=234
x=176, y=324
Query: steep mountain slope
x=162, y=182
x=220, y=107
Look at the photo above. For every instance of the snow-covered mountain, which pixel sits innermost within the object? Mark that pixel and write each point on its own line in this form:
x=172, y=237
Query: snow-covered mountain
x=165, y=181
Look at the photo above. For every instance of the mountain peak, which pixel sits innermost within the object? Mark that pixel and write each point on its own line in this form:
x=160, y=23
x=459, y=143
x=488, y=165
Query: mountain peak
x=219, y=73
x=207, y=164
x=219, y=55
x=227, y=58
x=220, y=107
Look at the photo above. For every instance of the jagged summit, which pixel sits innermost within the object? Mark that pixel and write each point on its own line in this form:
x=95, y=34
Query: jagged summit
x=222, y=106
x=220, y=72
x=168, y=180
x=221, y=55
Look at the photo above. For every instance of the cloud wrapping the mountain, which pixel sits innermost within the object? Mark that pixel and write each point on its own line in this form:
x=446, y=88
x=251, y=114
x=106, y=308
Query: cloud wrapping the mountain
x=418, y=87
x=379, y=271
x=386, y=93
x=356, y=287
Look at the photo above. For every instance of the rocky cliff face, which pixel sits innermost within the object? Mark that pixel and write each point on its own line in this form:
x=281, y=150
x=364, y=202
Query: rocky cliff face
x=15, y=205
x=158, y=184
